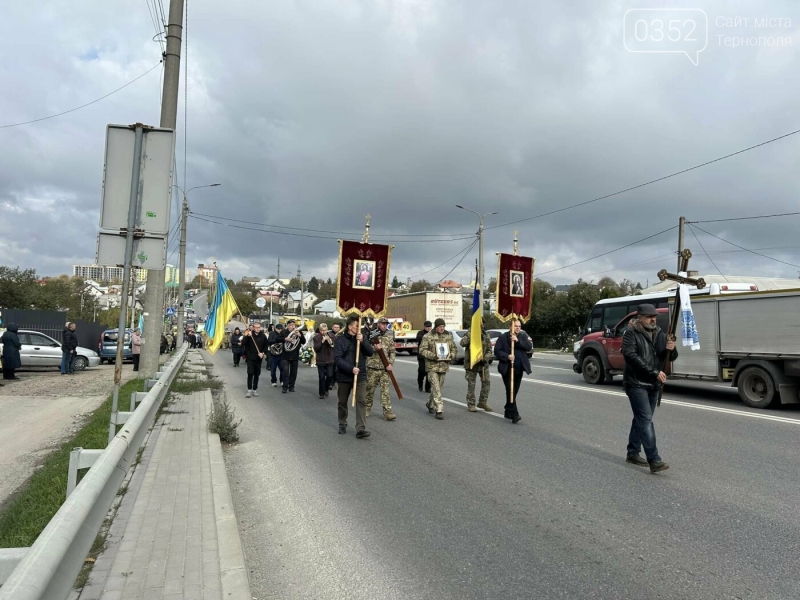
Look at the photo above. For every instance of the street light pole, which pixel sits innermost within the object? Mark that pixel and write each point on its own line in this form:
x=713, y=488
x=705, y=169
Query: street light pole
x=182, y=263
x=480, y=248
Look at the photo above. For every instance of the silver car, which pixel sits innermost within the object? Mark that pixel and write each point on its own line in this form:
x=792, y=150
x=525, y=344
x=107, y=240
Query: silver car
x=459, y=359
x=40, y=350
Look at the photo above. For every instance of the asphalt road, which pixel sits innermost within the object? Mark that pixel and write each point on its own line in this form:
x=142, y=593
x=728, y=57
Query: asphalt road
x=475, y=507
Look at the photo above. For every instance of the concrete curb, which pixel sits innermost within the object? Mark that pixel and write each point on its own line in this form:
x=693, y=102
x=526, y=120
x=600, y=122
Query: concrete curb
x=235, y=583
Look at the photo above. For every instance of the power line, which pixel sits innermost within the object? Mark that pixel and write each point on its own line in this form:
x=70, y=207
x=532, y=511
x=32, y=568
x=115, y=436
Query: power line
x=748, y=250
x=706, y=253
x=460, y=260
x=641, y=185
x=464, y=251
x=83, y=105
x=610, y=251
x=463, y=236
x=791, y=214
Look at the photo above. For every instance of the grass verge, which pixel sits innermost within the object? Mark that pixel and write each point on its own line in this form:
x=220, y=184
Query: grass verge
x=32, y=508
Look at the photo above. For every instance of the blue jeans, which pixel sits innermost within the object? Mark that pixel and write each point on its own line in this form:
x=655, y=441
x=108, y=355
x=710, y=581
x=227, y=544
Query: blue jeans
x=274, y=365
x=643, y=434
x=67, y=358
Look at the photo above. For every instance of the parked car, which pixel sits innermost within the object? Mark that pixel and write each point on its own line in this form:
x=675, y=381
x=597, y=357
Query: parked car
x=40, y=350
x=457, y=335
x=107, y=345
x=496, y=333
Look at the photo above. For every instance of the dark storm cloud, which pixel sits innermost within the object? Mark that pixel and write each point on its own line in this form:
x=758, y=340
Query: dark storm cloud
x=314, y=114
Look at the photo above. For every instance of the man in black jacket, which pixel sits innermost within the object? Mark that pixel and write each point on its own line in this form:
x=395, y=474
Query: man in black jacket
x=344, y=356
x=502, y=351
x=254, y=348
x=422, y=374
x=293, y=340
x=645, y=348
x=275, y=344
x=69, y=348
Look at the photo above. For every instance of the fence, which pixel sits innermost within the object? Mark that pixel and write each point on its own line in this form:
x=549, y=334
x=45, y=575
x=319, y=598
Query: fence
x=47, y=570
x=50, y=322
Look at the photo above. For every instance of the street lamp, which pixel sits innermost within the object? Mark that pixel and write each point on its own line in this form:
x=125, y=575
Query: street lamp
x=182, y=264
x=480, y=246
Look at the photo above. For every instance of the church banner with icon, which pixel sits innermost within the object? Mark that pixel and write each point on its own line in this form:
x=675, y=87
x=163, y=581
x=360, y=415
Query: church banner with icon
x=363, y=278
x=514, y=287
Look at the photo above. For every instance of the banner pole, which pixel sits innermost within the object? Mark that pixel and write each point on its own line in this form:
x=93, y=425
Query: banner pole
x=358, y=348
x=513, y=356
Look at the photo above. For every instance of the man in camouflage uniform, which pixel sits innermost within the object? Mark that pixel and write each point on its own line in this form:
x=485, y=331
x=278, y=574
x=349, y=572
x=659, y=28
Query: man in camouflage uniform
x=377, y=374
x=481, y=368
x=438, y=349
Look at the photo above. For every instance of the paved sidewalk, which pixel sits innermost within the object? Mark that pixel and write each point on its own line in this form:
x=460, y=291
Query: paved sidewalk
x=174, y=535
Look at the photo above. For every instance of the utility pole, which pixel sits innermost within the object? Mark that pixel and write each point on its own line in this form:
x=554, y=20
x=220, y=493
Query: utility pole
x=480, y=249
x=681, y=225
x=279, y=269
x=154, y=294
x=182, y=269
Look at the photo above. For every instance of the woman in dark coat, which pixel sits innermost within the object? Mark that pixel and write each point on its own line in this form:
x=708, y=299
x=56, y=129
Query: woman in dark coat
x=11, y=348
x=236, y=346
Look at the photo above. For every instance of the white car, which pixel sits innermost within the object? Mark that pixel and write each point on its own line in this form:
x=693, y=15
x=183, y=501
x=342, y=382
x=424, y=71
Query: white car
x=496, y=333
x=40, y=350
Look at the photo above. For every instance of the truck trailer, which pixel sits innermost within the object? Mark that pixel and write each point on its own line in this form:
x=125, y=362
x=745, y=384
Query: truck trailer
x=419, y=307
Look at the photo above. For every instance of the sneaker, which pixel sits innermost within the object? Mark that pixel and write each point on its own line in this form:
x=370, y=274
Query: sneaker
x=248, y=394
x=284, y=390
x=322, y=396
x=255, y=392
x=440, y=416
x=342, y=429
x=658, y=465
x=485, y=407
x=291, y=390
x=388, y=415
x=369, y=410
x=274, y=384
x=362, y=434
x=516, y=419
x=637, y=460
x=471, y=408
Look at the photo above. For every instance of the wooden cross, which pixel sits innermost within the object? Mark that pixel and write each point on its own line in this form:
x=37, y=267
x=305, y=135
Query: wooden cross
x=699, y=282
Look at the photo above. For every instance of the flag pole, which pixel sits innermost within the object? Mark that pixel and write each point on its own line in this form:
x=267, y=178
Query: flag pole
x=364, y=240
x=513, y=320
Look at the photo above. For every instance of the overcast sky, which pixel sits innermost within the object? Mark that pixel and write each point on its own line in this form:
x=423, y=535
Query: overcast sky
x=312, y=114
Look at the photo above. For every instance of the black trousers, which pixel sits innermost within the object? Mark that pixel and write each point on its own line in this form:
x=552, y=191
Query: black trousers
x=422, y=374
x=8, y=373
x=325, y=373
x=135, y=358
x=511, y=409
x=253, y=373
x=236, y=357
x=289, y=372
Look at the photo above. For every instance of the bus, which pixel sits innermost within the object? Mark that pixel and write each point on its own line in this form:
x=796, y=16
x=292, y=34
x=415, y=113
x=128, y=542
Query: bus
x=608, y=312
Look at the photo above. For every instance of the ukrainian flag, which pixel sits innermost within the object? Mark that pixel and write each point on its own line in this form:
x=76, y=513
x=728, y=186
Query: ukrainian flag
x=476, y=327
x=222, y=309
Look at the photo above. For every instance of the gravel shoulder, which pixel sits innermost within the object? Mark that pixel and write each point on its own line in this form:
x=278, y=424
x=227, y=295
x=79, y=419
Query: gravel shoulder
x=41, y=411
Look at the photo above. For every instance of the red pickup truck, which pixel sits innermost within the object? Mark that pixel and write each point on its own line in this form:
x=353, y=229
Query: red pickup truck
x=599, y=354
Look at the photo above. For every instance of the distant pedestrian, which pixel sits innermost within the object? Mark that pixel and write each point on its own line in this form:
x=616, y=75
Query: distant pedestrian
x=69, y=346
x=236, y=346
x=293, y=339
x=275, y=347
x=438, y=349
x=323, y=348
x=645, y=347
x=163, y=346
x=344, y=355
x=254, y=347
x=11, y=348
x=136, y=347
x=422, y=374
x=170, y=342
x=502, y=351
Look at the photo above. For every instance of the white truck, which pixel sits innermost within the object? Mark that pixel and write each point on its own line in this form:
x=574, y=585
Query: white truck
x=418, y=307
x=751, y=340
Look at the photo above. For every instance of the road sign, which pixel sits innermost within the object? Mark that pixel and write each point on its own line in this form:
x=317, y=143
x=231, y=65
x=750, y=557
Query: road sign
x=261, y=303
x=158, y=153
x=170, y=311
x=148, y=252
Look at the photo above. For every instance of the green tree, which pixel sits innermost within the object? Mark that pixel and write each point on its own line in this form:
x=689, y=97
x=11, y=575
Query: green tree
x=313, y=285
x=423, y=285
x=326, y=291
x=395, y=283
x=245, y=302
x=18, y=287
x=295, y=283
x=492, y=285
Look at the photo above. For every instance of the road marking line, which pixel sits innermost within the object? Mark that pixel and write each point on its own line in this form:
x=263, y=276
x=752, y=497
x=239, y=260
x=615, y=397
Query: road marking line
x=556, y=368
x=731, y=411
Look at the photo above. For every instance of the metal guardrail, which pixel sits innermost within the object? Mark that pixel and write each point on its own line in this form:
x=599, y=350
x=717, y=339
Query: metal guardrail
x=49, y=567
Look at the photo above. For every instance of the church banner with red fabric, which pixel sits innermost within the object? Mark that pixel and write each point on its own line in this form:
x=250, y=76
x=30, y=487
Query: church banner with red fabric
x=363, y=278
x=514, y=287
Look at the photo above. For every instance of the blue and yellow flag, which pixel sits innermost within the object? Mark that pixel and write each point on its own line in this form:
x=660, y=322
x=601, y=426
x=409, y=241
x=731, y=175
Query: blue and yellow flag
x=476, y=328
x=222, y=309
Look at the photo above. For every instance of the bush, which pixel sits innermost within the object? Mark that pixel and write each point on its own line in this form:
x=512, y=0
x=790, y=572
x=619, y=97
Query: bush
x=222, y=420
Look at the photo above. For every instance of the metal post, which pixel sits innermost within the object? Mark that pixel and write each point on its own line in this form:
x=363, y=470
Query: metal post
x=154, y=294
x=480, y=263
x=181, y=283
x=681, y=224
x=133, y=209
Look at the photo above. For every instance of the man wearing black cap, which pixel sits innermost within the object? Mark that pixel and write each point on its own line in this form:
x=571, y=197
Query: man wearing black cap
x=439, y=349
x=645, y=347
x=422, y=374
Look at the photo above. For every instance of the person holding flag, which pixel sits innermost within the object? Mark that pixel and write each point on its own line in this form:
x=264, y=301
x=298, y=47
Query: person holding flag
x=477, y=350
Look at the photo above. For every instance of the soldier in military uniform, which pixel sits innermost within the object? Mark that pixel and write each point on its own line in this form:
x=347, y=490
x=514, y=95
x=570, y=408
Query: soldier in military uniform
x=377, y=374
x=438, y=349
x=481, y=368
x=226, y=341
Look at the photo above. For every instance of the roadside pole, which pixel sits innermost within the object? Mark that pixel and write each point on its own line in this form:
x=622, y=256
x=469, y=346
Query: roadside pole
x=133, y=209
x=182, y=270
x=154, y=293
